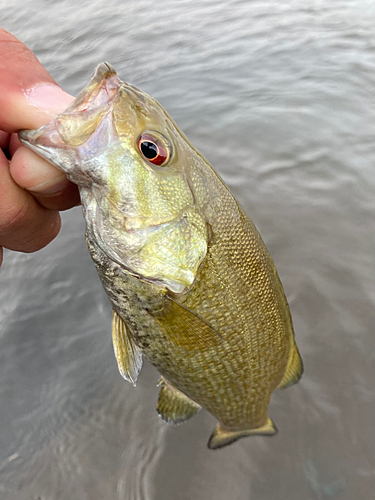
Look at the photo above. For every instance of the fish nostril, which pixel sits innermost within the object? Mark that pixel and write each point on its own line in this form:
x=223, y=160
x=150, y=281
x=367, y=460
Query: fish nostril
x=141, y=107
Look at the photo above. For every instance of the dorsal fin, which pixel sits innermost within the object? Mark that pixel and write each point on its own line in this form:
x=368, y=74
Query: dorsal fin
x=185, y=329
x=128, y=354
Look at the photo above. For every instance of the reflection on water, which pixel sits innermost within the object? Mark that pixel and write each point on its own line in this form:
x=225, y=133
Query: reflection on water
x=280, y=98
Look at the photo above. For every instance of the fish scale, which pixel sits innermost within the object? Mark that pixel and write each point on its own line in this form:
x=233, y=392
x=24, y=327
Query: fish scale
x=191, y=283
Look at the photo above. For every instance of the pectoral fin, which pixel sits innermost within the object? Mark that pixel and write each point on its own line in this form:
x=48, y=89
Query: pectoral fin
x=186, y=329
x=128, y=354
x=222, y=437
x=173, y=406
x=293, y=370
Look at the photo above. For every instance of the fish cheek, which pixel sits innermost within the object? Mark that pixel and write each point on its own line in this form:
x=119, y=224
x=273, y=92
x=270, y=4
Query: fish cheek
x=174, y=252
x=127, y=122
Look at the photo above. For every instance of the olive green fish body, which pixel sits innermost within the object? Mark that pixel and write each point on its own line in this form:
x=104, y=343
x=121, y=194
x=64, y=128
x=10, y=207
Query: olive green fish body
x=192, y=285
x=238, y=293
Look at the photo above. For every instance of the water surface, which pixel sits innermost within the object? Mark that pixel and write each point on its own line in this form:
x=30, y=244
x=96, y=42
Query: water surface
x=280, y=97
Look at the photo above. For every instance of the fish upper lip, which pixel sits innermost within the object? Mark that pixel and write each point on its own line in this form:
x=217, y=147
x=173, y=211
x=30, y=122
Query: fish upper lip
x=106, y=79
x=101, y=90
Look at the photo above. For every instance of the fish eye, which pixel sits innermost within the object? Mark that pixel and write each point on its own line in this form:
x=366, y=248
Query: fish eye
x=154, y=148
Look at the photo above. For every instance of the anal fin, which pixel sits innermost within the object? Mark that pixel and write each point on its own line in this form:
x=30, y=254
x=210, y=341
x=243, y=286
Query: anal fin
x=173, y=406
x=128, y=354
x=222, y=437
x=293, y=370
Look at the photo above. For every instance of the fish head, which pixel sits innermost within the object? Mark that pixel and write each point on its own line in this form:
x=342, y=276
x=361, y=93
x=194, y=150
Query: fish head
x=137, y=175
x=118, y=140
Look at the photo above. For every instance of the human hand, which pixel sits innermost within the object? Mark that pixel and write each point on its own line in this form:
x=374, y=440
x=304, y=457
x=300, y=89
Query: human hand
x=31, y=190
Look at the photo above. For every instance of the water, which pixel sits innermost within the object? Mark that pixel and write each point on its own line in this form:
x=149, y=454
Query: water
x=279, y=95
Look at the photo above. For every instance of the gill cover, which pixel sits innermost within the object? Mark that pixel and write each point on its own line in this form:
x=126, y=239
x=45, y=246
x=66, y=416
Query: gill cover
x=132, y=167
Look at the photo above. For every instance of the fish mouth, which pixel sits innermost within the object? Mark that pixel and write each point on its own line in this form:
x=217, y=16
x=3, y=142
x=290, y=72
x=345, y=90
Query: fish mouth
x=41, y=143
x=91, y=103
x=101, y=89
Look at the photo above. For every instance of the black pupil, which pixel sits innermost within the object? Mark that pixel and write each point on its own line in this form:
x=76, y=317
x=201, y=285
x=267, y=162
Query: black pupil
x=149, y=150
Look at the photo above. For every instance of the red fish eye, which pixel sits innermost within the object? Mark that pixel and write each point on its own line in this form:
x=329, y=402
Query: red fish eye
x=153, y=149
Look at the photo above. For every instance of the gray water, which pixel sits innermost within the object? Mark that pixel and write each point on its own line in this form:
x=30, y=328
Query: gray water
x=280, y=97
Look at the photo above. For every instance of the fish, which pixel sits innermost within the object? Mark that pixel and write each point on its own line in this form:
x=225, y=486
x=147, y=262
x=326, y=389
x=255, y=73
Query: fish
x=191, y=283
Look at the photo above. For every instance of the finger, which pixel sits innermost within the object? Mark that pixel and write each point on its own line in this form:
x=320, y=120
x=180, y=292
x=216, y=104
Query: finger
x=4, y=139
x=33, y=173
x=14, y=144
x=66, y=198
x=29, y=97
x=25, y=225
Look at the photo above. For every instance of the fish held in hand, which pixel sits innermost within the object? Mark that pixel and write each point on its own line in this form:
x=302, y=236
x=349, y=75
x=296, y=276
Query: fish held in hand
x=191, y=283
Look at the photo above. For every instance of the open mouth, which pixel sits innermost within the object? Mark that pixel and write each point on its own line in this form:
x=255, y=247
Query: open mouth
x=102, y=89
x=78, y=122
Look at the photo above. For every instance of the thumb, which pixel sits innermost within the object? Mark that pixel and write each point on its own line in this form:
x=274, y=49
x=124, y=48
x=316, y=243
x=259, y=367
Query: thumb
x=29, y=96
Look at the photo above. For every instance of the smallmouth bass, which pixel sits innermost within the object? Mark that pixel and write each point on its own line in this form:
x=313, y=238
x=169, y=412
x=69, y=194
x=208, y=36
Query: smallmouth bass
x=191, y=283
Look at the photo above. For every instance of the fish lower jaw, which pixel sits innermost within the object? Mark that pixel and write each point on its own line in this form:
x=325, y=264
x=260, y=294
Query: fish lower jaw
x=38, y=149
